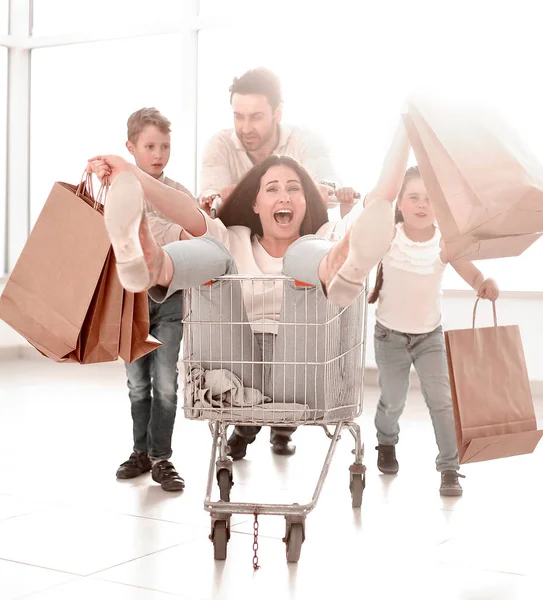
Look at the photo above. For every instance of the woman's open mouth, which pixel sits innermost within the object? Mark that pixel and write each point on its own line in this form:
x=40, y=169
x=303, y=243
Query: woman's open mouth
x=283, y=216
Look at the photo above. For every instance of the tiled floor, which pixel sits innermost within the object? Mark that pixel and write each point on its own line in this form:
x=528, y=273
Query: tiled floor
x=70, y=531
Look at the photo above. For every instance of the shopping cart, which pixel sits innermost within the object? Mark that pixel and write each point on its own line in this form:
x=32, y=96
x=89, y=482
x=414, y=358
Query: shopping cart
x=305, y=369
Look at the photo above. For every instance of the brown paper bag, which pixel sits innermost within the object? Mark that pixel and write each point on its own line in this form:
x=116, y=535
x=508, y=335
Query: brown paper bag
x=100, y=335
x=486, y=187
x=50, y=289
x=492, y=401
x=135, y=340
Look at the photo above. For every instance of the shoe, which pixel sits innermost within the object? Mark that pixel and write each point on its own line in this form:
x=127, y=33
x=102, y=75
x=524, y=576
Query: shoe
x=138, y=464
x=237, y=445
x=449, y=484
x=139, y=258
x=282, y=446
x=354, y=256
x=386, y=459
x=164, y=473
x=281, y=441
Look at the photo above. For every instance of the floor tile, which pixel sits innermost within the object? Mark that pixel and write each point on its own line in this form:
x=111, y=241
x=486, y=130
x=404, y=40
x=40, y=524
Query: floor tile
x=18, y=580
x=70, y=530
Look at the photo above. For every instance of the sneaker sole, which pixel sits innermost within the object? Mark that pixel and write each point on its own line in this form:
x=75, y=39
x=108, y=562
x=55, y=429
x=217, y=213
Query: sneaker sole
x=123, y=213
x=174, y=488
x=451, y=493
x=121, y=476
x=281, y=451
x=388, y=471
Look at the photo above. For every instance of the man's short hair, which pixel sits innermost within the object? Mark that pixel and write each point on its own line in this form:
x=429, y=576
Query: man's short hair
x=139, y=120
x=259, y=81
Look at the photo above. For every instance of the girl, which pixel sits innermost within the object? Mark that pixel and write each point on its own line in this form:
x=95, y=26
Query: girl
x=408, y=329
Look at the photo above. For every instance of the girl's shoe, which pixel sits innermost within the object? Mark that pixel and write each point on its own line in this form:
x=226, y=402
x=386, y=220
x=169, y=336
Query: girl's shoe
x=386, y=459
x=449, y=484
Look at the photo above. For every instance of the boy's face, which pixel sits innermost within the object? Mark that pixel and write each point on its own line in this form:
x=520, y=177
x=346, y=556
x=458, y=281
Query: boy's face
x=151, y=150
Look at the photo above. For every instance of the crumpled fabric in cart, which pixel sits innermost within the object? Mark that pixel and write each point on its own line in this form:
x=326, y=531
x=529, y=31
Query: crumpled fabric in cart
x=219, y=393
x=220, y=388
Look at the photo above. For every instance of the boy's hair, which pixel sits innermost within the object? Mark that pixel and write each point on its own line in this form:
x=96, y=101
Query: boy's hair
x=259, y=81
x=139, y=120
x=411, y=173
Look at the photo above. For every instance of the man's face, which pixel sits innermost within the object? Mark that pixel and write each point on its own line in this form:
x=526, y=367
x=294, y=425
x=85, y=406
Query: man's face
x=151, y=151
x=254, y=120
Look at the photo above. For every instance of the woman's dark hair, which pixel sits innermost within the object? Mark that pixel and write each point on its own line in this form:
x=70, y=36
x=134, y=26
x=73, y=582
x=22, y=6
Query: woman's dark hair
x=238, y=208
x=411, y=173
x=259, y=81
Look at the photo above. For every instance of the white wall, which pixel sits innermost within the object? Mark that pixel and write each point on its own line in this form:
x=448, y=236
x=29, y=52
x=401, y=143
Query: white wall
x=514, y=308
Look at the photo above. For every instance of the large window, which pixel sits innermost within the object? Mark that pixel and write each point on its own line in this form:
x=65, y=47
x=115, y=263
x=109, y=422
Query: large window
x=3, y=149
x=346, y=68
x=4, y=16
x=82, y=97
x=61, y=17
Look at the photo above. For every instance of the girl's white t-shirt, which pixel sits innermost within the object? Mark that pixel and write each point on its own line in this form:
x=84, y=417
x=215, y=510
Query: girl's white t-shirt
x=410, y=299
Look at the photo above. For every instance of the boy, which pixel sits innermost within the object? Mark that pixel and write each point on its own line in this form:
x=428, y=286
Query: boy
x=153, y=379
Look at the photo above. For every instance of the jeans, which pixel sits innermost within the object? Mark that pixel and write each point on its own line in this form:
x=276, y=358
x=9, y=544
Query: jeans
x=395, y=352
x=202, y=259
x=266, y=343
x=153, y=381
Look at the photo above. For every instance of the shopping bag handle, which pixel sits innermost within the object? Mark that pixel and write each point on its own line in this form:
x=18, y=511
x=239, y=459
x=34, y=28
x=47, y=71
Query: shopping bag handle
x=86, y=183
x=493, y=311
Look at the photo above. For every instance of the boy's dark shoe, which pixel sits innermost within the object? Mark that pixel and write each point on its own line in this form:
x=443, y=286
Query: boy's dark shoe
x=138, y=464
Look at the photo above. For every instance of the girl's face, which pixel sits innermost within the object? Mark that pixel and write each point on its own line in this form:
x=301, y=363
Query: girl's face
x=280, y=203
x=415, y=205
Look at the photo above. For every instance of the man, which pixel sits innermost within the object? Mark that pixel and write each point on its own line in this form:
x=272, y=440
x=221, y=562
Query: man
x=257, y=105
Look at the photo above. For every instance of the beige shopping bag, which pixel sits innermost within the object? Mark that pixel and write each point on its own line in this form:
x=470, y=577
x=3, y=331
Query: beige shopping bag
x=485, y=185
x=63, y=294
x=492, y=401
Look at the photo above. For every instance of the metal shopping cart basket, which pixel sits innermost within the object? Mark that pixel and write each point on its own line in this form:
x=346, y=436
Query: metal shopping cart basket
x=302, y=363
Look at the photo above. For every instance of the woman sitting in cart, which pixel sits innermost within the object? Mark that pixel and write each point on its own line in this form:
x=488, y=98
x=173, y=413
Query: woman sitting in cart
x=273, y=223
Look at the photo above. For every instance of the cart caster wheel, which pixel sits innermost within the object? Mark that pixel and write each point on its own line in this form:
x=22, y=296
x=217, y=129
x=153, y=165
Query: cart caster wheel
x=220, y=540
x=294, y=542
x=358, y=483
x=224, y=479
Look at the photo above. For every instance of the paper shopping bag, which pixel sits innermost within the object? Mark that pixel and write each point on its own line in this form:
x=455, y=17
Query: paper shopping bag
x=100, y=334
x=485, y=185
x=50, y=289
x=135, y=340
x=492, y=401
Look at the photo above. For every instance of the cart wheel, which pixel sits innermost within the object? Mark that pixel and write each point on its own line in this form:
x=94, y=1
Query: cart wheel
x=358, y=483
x=224, y=479
x=220, y=540
x=294, y=542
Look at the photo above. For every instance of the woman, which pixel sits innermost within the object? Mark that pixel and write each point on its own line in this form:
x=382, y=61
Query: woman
x=267, y=226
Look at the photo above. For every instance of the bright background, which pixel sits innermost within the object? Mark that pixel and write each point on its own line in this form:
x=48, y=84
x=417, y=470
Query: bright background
x=72, y=71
